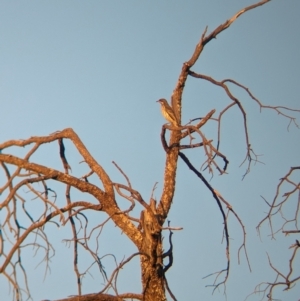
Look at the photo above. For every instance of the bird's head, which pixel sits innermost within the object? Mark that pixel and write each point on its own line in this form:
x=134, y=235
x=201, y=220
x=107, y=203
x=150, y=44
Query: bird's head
x=162, y=101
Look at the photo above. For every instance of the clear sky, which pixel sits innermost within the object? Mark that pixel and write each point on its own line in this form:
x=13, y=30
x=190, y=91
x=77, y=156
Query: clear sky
x=100, y=66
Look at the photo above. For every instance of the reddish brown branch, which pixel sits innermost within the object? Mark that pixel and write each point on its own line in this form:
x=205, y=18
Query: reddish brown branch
x=276, y=205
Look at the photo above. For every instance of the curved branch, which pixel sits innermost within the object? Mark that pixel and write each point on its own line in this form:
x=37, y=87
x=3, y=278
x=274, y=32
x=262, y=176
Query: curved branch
x=277, y=205
x=108, y=204
x=188, y=163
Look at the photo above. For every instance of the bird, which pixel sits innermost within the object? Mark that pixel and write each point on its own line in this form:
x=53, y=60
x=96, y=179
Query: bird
x=168, y=112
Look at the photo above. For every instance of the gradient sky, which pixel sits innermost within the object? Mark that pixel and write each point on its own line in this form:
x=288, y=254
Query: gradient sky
x=100, y=66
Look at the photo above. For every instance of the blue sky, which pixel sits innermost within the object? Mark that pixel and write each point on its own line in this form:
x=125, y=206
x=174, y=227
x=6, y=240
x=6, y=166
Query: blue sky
x=100, y=66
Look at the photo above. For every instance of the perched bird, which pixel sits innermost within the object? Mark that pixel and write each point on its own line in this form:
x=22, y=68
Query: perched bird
x=168, y=112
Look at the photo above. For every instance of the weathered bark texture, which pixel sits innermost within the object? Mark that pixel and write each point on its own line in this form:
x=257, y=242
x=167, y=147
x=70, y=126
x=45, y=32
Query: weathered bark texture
x=152, y=265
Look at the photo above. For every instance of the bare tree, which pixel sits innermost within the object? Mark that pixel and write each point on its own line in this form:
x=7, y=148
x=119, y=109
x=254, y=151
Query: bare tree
x=23, y=227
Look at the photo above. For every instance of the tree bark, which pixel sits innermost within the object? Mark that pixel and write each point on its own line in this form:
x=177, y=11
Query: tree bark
x=152, y=265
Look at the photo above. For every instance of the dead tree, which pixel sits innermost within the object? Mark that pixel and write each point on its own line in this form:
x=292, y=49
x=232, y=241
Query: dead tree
x=22, y=228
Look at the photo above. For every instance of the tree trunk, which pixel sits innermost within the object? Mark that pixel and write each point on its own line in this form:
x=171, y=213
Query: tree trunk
x=151, y=263
x=153, y=281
